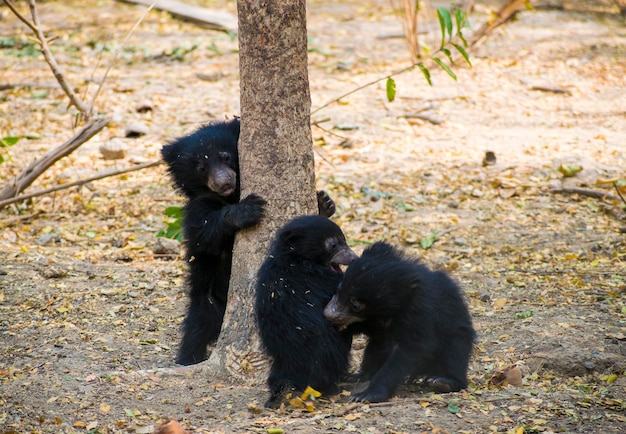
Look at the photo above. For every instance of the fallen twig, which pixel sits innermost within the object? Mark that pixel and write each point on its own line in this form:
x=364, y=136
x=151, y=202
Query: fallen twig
x=433, y=120
x=619, y=193
x=552, y=89
x=5, y=86
x=78, y=182
x=37, y=167
x=585, y=192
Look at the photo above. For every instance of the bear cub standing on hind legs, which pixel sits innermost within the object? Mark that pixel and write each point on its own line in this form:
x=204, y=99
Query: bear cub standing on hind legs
x=415, y=319
x=204, y=166
x=295, y=282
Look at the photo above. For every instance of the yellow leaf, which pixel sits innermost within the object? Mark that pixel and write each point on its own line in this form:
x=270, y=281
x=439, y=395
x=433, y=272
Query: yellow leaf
x=296, y=402
x=353, y=416
x=80, y=424
x=500, y=302
x=309, y=406
x=105, y=408
x=611, y=378
x=310, y=392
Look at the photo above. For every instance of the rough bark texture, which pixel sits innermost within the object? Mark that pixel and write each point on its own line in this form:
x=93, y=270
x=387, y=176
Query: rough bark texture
x=276, y=160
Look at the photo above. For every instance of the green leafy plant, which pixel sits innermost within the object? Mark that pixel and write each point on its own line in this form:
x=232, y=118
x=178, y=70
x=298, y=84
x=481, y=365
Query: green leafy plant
x=5, y=142
x=451, y=35
x=174, y=229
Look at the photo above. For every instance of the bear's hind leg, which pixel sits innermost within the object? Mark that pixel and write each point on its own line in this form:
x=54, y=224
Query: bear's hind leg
x=201, y=327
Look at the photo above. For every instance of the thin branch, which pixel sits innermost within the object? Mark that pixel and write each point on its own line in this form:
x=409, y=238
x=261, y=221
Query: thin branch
x=6, y=202
x=585, y=192
x=37, y=167
x=21, y=17
x=505, y=13
x=5, y=86
x=54, y=66
x=117, y=53
x=371, y=83
x=619, y=193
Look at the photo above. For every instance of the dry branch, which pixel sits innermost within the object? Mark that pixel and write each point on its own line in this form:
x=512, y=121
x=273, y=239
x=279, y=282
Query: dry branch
x=9, y=194
x=38, y=166
x=107, y=174
x=211, y=19
x=505, y=13
x=585, y=192
x=35, y=26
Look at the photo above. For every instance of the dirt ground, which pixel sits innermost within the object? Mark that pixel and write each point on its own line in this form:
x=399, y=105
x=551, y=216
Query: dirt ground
x=90, y=317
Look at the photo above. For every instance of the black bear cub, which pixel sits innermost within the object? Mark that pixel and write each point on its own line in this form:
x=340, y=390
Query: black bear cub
x=205, y=167
x=415, y=319
x=296, y=281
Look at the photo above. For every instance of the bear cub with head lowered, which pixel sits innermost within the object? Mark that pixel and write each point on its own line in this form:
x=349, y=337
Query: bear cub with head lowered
x=415, y=319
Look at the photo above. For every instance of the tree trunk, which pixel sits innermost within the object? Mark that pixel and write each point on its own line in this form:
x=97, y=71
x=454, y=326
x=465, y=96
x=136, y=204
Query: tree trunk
x=276, y=162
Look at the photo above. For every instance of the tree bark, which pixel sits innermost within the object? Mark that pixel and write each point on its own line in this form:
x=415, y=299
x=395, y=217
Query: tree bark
x=276, y=162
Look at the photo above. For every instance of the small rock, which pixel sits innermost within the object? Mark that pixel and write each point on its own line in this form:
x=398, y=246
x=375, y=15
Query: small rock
x=44, y=239
x=53, y=272
x=589, y=365
x=144, y=106
x=489, y=159
x=114, y=149
x=484, y=297
x=166, y=246
x=136, y=129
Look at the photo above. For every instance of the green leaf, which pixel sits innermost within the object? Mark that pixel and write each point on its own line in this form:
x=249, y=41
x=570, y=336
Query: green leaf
x=428, y=242
x=8, y=141
x=445, y=68
x=175, y=212
x=524, y=314
x=448, y=54
x=442, y=25
x=39, y=94
x=426, y=73
x=461, y=20
x=462, y=38
x=463, y=53
x=453, y=408
x=391, y=89
x=445, y=20
x=569, y=171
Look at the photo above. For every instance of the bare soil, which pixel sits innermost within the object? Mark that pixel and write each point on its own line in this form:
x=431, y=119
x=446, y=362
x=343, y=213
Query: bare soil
x=90, y=316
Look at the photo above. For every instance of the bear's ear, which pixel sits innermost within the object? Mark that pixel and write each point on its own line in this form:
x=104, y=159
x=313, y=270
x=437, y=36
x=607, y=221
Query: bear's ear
x=169, y=152
x=288, y=237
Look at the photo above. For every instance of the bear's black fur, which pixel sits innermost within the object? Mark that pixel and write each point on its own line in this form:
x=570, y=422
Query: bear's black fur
x=416, y=321
x=205, y=167
x=295, y=283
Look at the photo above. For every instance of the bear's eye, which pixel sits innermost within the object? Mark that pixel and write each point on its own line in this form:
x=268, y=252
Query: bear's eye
x=355, y=305
x=331, y=244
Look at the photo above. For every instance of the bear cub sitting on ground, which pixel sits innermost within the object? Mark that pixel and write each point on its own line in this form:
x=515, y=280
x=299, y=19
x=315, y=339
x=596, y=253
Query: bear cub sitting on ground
x=296, y=281
x=415, y=319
